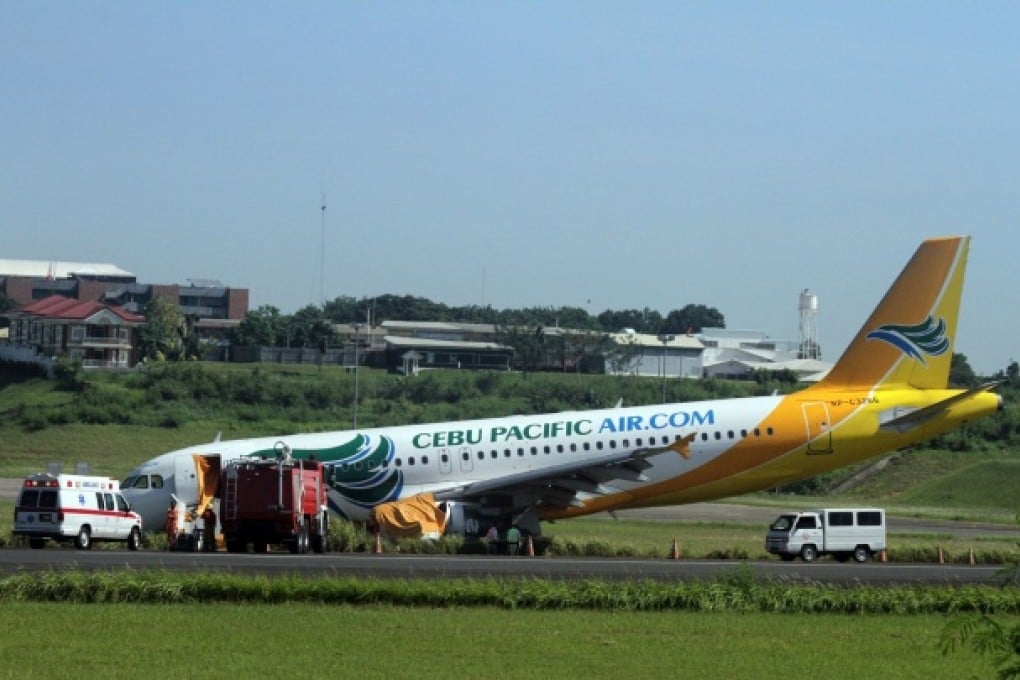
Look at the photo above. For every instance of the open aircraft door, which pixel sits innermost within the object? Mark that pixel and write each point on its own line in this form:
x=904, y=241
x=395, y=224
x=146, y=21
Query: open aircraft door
x=196, y=477
x=819, y=433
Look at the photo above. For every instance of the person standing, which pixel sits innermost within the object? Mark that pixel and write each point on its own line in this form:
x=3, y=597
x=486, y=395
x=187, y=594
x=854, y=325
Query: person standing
x=492, y=539
x=209, y=530
x=513, y=540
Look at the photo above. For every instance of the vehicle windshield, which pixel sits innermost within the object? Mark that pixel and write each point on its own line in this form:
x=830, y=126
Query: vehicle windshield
x=783, y=523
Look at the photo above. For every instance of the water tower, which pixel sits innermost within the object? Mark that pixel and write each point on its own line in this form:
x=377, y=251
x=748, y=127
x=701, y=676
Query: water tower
x=808, y=308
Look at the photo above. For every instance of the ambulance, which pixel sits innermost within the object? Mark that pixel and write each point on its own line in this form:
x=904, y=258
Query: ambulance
x=79, y=508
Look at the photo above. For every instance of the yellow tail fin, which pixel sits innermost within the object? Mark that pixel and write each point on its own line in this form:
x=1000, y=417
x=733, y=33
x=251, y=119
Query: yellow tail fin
x=908, y=339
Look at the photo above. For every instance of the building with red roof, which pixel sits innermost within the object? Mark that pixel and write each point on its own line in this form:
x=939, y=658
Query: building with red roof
x=88, y=331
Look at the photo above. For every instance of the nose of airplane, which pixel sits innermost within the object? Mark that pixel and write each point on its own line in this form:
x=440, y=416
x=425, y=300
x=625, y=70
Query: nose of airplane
x=151, y=504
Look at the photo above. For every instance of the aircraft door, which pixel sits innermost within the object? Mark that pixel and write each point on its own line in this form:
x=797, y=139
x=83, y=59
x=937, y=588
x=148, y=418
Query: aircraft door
x=819, y=432
x=466, y=464
x=185, y=479
x=445, y=462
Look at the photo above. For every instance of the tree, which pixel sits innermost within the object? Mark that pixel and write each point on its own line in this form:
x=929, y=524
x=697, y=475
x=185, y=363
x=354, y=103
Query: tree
x=624, y=356
x=642, y=321
x=343, y=309
x=692, y=318
x=6, y=303
x=960, y=372
x=262, y=327
x=529, y=345
x=163, y=334
x=308, y=328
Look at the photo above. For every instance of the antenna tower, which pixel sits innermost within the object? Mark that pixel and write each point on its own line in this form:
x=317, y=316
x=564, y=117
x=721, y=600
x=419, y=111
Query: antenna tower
x=322, y=253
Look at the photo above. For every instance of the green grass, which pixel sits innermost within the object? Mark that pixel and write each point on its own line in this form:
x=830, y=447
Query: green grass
x=319, y=641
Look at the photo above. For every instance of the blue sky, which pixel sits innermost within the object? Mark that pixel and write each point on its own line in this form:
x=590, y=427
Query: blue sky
x=593, y=154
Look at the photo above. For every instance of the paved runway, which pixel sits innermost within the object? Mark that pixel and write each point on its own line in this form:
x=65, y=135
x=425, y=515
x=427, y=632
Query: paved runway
x=476, y=566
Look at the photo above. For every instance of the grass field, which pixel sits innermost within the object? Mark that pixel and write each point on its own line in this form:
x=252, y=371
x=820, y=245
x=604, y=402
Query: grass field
x=318, y=641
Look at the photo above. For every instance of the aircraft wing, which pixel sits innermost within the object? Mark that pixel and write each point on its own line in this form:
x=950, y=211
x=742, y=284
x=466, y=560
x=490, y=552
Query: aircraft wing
x=558, y=485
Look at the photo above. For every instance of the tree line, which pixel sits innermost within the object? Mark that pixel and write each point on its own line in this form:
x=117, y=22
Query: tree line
x=308, y=327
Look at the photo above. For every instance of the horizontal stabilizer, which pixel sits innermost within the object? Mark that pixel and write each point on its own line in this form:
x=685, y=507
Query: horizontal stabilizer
x=901, y=422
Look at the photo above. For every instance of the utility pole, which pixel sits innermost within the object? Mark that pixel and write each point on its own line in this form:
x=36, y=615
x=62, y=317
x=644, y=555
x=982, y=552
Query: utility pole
x=665, y=339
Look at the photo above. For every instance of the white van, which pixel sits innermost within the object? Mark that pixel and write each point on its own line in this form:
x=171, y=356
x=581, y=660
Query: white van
x=840, y=532
x=81, y=508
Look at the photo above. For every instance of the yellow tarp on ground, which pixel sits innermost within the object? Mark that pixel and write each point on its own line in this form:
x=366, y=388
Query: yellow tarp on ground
x=413, y=517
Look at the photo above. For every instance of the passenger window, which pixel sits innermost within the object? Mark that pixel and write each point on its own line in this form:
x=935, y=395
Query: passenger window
x=121, y=503
x=869, y=519
x=840, y=519
x=108, y=497
x=48, y=499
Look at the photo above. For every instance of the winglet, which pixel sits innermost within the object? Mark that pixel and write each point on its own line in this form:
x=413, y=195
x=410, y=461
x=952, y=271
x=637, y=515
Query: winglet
x=908, y=339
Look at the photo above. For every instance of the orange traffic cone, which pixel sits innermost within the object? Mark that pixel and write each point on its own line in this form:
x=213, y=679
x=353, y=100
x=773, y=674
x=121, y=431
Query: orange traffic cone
x=970, y=555
x=942, y=559
x=882, y=557
x=378, y=543
x=531, y=547
x=675, y=554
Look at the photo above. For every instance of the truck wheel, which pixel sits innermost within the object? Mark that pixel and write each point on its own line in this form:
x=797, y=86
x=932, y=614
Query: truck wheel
x=134, y=539
x=37, y=543
x=83, y=541
x=809, y=553
x=862, y=554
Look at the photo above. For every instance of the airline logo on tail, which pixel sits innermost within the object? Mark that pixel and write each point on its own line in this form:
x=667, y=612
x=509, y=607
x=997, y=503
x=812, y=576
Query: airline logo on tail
x=928, y=337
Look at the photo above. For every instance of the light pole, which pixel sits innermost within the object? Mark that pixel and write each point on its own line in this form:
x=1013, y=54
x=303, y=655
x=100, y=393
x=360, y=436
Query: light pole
x=357, y=339
x=665, y=339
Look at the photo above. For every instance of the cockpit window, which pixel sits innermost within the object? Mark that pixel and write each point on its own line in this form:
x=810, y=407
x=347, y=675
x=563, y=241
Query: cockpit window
x=141, y=482
x=127, y=483
x=157, y=481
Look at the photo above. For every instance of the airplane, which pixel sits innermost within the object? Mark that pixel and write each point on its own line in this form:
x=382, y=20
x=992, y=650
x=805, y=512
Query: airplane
x=887, y=391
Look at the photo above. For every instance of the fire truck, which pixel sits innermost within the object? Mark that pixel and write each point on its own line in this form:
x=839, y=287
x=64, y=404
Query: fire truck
x=274, y=502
